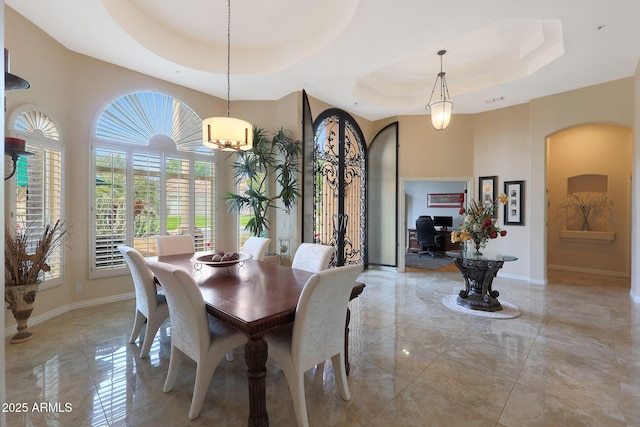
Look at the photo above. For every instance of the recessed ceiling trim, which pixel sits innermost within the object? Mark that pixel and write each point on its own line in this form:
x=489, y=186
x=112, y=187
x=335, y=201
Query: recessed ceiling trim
x=276, y=47
x=512, y=49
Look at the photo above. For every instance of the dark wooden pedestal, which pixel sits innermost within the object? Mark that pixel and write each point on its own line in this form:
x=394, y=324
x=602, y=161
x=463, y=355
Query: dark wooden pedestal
x=478, y=277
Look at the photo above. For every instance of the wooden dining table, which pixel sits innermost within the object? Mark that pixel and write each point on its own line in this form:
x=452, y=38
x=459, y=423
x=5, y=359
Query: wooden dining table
x=254, y=297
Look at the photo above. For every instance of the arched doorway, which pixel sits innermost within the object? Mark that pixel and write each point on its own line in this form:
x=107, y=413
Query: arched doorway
x=382, y=200
x=339, y=186
x=586, y=165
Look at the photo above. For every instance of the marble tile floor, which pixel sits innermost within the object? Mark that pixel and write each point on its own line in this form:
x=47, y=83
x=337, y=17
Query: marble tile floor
x=571, y=359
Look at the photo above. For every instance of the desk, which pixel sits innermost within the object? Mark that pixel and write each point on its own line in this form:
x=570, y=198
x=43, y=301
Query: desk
x=254, y=297
x=478, y=272
x=444, y=235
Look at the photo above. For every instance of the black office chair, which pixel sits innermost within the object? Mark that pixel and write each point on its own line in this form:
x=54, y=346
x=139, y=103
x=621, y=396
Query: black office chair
x=427, y=236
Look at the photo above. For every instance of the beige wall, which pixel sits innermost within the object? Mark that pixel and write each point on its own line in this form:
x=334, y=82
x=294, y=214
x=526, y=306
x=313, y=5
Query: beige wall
x=604, y=103
x=501, y=144
x=635, y=191
x=590, y=149
x=426, y=152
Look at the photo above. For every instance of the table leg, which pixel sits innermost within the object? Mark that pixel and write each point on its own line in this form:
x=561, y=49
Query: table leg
x=355, y=292
x=478, y=277
x=255, y=354
x=346, y=342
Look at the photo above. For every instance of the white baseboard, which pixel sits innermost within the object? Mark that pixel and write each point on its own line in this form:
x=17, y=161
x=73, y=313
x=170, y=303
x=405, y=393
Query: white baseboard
x=383, y=268
x=514, y=276
x=11, y=330
x=538, y=281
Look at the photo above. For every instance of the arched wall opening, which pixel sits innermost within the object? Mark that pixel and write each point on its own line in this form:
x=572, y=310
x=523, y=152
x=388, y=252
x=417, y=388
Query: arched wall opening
x=589, y=170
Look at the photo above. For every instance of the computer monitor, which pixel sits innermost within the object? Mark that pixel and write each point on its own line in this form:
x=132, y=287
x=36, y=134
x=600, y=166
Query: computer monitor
x=443, y=221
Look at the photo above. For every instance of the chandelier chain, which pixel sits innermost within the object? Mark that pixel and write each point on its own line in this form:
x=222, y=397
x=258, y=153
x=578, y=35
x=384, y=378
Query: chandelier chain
x=227, y=133
x=229, y=58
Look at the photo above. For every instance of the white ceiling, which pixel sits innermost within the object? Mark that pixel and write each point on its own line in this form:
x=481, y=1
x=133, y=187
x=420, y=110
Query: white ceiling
x=375, y=58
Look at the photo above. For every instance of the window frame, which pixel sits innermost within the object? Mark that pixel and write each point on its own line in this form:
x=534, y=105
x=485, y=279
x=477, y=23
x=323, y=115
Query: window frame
x=40, y=141
x=163, y=155
x=183, y=143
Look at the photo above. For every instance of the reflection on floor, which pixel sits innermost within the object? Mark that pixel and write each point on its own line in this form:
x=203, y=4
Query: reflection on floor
x=571, y=358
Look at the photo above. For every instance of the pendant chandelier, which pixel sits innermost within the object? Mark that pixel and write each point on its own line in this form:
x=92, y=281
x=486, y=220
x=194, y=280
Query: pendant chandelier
x=227, y=133
x=440, y=108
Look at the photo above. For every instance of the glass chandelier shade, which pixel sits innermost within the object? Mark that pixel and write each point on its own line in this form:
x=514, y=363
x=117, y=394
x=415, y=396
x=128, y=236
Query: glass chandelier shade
x=227, y=133
x=440, y=108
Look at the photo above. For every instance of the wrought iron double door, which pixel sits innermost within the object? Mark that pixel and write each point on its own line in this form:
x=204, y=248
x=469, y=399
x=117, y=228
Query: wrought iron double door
x=339, y=187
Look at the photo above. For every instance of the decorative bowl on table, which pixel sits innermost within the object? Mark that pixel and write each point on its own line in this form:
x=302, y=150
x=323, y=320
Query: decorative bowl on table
x=220, y=258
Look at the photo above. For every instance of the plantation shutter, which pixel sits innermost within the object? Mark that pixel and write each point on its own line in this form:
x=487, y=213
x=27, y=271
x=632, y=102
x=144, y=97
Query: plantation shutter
x=203, y=205
x=38, y=199
x=110, y=207
x=178, y=211
x=145, y=215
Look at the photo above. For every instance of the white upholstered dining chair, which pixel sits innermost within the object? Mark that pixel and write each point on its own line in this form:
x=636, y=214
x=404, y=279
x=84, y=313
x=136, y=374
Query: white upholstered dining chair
x=312, y=257
x=256, y=247
x=194, y=332
x=150, y=305
x=316, y=334
x=175, y=244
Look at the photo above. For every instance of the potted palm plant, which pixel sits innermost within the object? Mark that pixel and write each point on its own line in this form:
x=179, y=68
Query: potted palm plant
x=25, y=261
x=270, y=159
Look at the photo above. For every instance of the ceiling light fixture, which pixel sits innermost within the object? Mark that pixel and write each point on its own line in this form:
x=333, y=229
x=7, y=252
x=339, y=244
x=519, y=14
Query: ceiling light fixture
x=440, y=109
x=11, y=81
x=227, y=133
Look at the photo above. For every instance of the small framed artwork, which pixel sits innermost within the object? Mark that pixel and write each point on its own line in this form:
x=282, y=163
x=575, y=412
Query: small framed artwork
x=446, y=200
x=487, y=190
x=514, y=208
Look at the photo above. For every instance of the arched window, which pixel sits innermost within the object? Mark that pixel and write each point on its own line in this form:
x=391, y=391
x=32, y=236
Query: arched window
x=37, y=200
x=152, y=176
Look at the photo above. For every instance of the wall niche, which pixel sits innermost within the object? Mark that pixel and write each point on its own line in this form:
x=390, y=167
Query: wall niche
x=588, y=209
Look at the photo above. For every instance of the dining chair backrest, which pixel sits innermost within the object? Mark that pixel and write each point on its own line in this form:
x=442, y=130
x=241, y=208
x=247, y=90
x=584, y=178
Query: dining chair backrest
x=312, y=257
x=317, y=334
x=143, y=281
x=175, y=244
x=151, y=307
x=256, y=247
x=194, y=333
x=321, y=313
x=189, y=323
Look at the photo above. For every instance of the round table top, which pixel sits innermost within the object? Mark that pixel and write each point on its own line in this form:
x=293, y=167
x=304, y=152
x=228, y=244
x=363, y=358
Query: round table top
x=485, y=256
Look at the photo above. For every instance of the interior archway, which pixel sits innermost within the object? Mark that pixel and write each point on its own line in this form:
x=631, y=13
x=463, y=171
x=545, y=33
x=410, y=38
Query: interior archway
x=589, y=169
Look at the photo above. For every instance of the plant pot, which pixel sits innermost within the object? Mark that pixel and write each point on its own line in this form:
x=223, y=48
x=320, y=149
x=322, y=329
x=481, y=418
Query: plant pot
x=20, y=300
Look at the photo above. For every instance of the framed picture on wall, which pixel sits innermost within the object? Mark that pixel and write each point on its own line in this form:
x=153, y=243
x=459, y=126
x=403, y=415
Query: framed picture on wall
x=445, y=200
x=487, y=190
x=514, y=208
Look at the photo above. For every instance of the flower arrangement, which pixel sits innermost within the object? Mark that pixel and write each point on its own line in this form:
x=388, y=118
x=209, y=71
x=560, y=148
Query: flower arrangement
x=479, y=223
x=586, y=203
x=22, y=267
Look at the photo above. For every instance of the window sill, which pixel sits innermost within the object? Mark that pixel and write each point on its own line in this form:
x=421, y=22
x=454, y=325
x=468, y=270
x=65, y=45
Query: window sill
x=604, y=237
